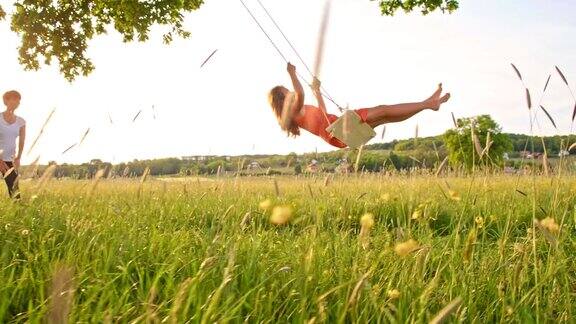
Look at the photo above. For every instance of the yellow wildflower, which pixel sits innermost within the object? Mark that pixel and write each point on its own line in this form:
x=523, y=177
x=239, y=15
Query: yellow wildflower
x=281, y=215
x=265, y=205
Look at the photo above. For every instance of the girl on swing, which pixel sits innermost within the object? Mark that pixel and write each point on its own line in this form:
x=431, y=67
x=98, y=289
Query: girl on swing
x=315, y=119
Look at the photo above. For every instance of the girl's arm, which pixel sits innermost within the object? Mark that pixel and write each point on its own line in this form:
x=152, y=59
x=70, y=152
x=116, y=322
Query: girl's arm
x=297, y=88
x=318, y=95
x=21, y=141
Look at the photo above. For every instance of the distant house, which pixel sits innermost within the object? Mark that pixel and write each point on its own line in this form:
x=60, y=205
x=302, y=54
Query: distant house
x=254, y=165
x=343, y=166
x=530, y=155
x=563, y=153
x=313, y=167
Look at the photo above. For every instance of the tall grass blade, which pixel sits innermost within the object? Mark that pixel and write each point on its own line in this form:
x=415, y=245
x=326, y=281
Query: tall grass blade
x=61, y=295
x=562, y=75
x=41, y=131
x=547, y=81
x=517, y=71
x=84, y=136
x=443, y=315
x=549, y=117
x=208, y=58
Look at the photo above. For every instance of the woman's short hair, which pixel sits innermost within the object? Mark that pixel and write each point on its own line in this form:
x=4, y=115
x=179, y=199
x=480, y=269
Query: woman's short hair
x=11, y=94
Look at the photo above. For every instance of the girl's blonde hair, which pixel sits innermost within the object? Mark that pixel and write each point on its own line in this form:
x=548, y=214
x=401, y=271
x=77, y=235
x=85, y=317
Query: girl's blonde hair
x=276, y=98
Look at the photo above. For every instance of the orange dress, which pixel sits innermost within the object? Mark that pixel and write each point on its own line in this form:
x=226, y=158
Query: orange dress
x=312, y=119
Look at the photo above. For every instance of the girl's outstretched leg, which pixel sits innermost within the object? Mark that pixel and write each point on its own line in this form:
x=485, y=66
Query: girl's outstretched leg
x=395, y=113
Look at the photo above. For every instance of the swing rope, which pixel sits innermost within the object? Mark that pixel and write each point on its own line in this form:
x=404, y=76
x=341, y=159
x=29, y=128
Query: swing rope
x=323, y=91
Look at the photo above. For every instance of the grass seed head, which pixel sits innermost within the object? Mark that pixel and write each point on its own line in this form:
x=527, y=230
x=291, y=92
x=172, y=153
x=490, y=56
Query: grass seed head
x=405, y=248
x=393, y=294
x=550, y=224
x=454, y=195
x=367, y=221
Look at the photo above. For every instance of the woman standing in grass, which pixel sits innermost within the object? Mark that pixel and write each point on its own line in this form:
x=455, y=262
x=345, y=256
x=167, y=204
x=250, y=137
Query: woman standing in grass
x=315, y=119
x=11, y=127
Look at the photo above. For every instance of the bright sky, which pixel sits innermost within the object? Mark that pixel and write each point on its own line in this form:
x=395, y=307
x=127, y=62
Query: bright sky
x=369, y=59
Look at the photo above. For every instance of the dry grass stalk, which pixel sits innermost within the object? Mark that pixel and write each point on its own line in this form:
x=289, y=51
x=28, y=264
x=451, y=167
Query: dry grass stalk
x=41, y=131
x=208, y=58
x=137, y=115
x=8, y=172
x=69, y=148
x=416, y=135
x=547, y=81
x=383, y=132
x=181, y=296
x=443, y=314
x=310, y=191
x=326, y=181
x=214, y=299
x=246, y=220
x=441, y=167
x=454, y=120
x=61, y=295
x=151, y=314
x=469, y=246
x=99, y=174
x=545, y=164
x=357, y=164
x=47, y=175
x=32, y=168
x=84, y=136
x=145, y=175
x=476, y=142
x=276, y=188
x=355, y=292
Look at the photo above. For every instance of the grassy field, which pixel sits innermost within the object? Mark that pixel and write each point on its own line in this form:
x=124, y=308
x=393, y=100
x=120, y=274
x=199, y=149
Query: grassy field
x=206, y=251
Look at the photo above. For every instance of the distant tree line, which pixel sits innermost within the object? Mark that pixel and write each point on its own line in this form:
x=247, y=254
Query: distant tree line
x=427, y=152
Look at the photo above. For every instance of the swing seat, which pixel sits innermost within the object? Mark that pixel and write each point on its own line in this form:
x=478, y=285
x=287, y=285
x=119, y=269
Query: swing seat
x=351, y=130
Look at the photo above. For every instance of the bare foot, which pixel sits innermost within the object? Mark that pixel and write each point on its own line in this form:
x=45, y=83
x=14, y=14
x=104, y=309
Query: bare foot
x=436, y=93
x=434, y=104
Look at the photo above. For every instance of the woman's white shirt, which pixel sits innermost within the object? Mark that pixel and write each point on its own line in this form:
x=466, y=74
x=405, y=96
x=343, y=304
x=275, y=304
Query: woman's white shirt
x=8, y=135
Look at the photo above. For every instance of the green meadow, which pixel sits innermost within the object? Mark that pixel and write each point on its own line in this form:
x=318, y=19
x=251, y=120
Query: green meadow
x=309, y=249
